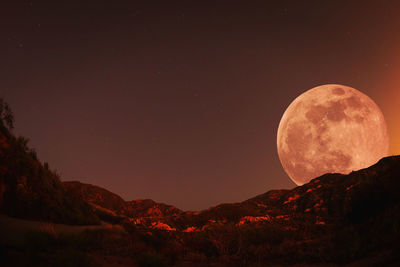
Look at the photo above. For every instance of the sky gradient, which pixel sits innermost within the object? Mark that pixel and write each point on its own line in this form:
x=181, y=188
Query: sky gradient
x=180, y=102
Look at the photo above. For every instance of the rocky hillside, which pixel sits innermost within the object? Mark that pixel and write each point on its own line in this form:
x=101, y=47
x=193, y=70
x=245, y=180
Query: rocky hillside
x=103, y=200
x=334, y=219
x=332, y=199
x=150, y=208
x=97, y=197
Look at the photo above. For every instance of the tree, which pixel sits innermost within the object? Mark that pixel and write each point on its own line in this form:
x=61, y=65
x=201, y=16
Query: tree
x=6, y=114
x=23, y=143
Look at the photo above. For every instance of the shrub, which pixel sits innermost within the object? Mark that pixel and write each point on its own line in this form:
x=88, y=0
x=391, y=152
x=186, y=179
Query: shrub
x=151, y=259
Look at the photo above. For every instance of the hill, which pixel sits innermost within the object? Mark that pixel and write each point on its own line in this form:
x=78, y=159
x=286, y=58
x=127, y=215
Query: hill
x=334, y=219
x=30, y=190
x=112, y=208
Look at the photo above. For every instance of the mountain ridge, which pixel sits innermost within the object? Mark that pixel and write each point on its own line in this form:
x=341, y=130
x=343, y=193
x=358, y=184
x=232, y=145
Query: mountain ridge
x=333, y=219
x=326, y=198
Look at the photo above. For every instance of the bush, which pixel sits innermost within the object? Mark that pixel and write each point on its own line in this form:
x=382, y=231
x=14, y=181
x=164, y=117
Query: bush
x=151, y=259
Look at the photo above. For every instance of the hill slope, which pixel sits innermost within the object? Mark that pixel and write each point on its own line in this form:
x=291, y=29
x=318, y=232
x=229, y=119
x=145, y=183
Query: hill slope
x=333, y=197
x=335, y=218
x=105, y=201
x=30, y=190
x=329, y=200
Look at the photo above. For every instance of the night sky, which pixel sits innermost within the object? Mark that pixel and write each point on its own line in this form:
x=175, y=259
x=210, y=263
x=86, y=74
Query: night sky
x=180, y=101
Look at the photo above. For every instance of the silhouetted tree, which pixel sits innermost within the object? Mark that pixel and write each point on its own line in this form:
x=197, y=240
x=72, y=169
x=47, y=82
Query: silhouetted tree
x=46, y=166
x=6, y=115
x=23, y=143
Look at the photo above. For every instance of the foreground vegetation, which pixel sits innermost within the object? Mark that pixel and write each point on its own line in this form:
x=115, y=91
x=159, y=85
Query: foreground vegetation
x=372, y=241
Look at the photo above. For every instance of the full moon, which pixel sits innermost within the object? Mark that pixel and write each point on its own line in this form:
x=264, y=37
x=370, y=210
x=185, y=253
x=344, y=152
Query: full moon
x=330, y=128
